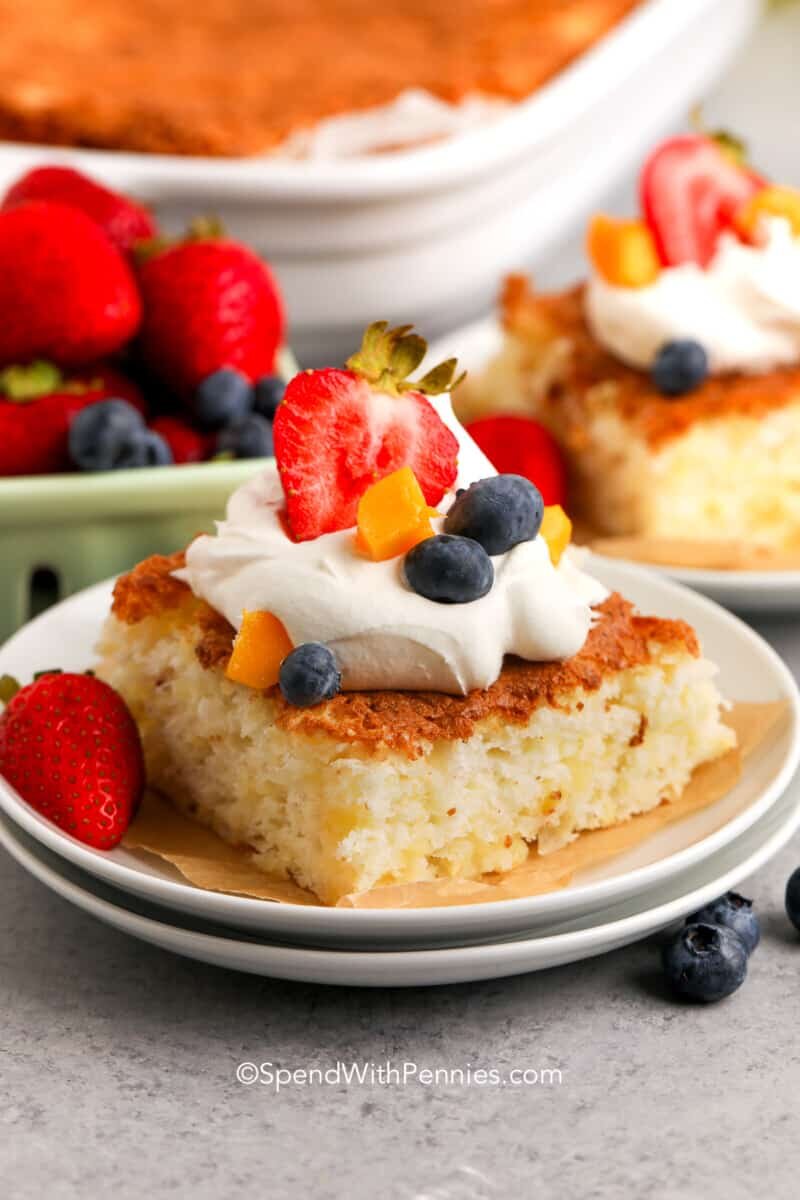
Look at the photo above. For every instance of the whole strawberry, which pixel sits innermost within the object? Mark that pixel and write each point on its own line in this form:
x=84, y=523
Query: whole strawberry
x=37, y=405
x=188, y=445
x=66, y=293
x=337, y=431
x=208, y=303
x=123, y=220
x=72, y=750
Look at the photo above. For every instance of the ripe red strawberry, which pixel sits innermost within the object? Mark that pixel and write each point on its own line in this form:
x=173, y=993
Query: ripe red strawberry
x=520, y=446
x=66, y=293
x=123, y=220
x=188, y=445
x=72, y=750
x=208, y=303
x=690, y=190
x=338, y=430
x=37, y=404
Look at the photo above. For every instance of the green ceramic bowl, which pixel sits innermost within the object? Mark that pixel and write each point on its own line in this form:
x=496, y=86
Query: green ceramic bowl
x=73, y=530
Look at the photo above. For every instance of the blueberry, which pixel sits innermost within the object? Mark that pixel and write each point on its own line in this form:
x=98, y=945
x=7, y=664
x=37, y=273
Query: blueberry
x=309, y=675
x=679, y=367
x=112, y=434
x=705, y=962
x=793, y=898
x=498, y=513
x=223, y=398
x=268, y=394
x=451, y=570
x=250, y=438
x=734, y=912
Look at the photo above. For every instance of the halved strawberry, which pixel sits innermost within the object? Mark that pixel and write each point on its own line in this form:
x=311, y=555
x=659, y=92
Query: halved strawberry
x=690, y=189
x=338, y=430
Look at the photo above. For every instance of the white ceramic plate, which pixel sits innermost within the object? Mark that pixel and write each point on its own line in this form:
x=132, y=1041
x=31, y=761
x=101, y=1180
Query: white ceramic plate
x=749, y=670
x=743, y=591
x=627, y=922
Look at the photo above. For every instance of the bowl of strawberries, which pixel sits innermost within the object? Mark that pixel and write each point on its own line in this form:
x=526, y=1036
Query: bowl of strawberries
x=138, y=381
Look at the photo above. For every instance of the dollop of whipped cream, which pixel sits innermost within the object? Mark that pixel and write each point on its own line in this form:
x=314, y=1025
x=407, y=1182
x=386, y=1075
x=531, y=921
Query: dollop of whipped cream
x=383, y=634
x=744, y=308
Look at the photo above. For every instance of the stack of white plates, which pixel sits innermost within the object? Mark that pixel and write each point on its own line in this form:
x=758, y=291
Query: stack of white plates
x=680, y=868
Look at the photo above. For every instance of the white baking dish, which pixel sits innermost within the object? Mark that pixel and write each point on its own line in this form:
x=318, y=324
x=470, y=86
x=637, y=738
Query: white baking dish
x=425, y=235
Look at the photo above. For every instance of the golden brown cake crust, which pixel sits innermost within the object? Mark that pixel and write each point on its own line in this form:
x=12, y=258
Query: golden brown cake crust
x=235, y=77
x=406, y=721
x=537, y=319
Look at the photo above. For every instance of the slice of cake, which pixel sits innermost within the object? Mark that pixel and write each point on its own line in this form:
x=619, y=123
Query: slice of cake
x=388, y=666
x=671, y=379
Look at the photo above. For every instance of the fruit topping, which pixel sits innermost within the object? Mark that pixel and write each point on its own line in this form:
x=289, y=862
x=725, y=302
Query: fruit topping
x=309, y=675
x=705, y=962
x=623, y=252
x=556, y=529
x=123, y=220
x=66, y=293
x=497, y=513
x=770, y=202
x=338, y=431
x=734, y=912
x=71, y=749
x=448, y=569
x=187, y=445
x=690, y=190
x=224, y=397
x=520, y=446
x=268, y=393
x=392, y=516
x=209, y=302
x=260, y=647
x=112, y=435
x=249, y=438
x=679, y=367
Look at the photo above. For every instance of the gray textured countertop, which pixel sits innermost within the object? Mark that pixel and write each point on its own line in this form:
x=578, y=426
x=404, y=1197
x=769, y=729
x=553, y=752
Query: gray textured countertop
x=118, y=1060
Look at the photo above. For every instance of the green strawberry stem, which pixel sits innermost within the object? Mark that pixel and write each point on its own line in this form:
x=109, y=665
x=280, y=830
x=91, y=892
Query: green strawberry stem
x=729, y=143
x=8, y=688
x=388, y=356
x=21, y=384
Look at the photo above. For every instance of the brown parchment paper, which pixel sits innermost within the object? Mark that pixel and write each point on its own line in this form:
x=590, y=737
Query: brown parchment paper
x=683, y=552
x=206, y=861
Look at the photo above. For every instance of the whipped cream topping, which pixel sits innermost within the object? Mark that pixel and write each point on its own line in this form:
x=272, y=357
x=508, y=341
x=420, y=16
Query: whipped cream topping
x=383, y=634
x=415, y=117
x=744, y=308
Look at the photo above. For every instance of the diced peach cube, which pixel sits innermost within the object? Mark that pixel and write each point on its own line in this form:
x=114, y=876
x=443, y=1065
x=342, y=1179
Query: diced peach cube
x=623, y=252
x=772, y=201
x=392, y=516
x=556, y=530
x=260, y=647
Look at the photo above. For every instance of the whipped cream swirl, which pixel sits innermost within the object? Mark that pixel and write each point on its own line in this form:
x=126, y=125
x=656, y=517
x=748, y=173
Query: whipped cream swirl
x=744, y=308
x=383, y=634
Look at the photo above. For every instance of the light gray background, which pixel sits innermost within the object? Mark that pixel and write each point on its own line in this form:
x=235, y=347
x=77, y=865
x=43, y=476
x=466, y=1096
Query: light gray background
x=117, y=1060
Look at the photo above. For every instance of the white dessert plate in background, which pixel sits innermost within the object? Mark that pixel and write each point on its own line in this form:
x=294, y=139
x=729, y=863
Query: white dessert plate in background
x=628, y=921
x=742, y=591
x=750, y=670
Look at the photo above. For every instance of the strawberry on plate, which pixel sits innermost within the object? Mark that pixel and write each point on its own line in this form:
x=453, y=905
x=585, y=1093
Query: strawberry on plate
x=37, y=405
x=338, y=430
x=66, y=293
x=520, y=446
x=70, y=747
x=124, y=221
x=691, y=189
x=209, y=303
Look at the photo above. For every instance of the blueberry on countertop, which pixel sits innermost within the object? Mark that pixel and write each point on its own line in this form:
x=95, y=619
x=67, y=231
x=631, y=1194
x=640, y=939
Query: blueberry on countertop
x=498, y=512
x=705, y=962
x=679, y=367
x=224, y=398
x=249, y=438
x=793, y=898
x=736, y=913
x=268, y=394
x=309, y=675
x=450, y=570
x=111, y=435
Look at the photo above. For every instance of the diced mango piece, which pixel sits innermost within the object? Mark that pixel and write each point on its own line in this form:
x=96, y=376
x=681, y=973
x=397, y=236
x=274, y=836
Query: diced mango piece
x=623, y=252
x=772, y=201
x=556, y=530
x=392, y=516
x=260, y=647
